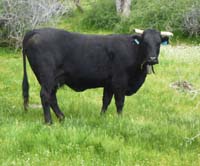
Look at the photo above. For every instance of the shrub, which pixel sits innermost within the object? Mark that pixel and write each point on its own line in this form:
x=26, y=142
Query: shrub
x=102, y=15
x=23, y=15
x=124, y=26
x=191, y=22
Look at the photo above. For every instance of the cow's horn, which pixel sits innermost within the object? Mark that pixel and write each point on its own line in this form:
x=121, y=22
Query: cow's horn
x=139, y=31
x=166, y=33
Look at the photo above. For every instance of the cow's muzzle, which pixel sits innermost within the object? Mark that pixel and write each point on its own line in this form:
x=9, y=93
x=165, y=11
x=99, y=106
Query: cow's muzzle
x=149, y=64
x=152, y=61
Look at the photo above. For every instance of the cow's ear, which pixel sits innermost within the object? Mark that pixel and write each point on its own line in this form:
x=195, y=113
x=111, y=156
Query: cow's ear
x=165, y=40
x=136, y=39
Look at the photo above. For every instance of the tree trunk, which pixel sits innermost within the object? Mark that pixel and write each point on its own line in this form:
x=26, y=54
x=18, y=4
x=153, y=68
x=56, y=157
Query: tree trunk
x=77, y=3
x=123, y=7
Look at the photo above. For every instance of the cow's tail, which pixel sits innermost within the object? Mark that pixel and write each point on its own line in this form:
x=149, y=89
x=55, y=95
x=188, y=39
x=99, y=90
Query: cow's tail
x=25, y=84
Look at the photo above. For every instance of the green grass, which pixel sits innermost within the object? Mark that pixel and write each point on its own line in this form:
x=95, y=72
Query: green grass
x=155, y=128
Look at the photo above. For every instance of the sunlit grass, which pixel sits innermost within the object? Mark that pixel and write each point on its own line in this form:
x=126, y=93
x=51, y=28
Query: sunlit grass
x=156, y=127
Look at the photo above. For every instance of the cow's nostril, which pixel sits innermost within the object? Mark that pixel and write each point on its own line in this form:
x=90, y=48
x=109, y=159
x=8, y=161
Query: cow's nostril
x=152, y=58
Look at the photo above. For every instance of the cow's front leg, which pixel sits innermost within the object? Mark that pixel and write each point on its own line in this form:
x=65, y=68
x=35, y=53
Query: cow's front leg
x=107, y=97
x=119, y=95
x=119, y=84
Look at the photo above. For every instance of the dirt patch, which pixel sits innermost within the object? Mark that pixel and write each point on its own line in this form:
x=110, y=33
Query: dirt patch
x=183, y=86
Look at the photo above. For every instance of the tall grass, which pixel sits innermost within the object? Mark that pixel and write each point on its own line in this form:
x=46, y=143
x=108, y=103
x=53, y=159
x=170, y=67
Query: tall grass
x=156, y=128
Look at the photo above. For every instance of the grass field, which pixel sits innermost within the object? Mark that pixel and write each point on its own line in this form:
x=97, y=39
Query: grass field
x=159, y=126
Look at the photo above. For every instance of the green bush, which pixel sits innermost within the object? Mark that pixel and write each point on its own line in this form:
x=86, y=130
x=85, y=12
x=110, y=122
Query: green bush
x=101, y=15
x=124, y=26
x=162, y=15
x=165, y=15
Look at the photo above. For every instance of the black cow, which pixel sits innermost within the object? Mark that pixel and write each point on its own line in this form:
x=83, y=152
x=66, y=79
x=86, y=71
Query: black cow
x=118, y=63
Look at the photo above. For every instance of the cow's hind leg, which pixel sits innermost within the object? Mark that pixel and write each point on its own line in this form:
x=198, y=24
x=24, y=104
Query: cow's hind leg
x=107, y=97
x=55, y=107
x=45, y=95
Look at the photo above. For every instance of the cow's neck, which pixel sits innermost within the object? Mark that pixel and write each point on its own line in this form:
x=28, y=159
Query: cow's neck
x=140, y=58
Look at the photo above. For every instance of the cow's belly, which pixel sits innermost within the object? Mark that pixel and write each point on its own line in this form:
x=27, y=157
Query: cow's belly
x=81, y=84
x=80, y=81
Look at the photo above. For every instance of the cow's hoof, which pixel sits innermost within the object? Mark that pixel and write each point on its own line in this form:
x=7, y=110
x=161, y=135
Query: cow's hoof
x=26, y=104
x=48, y=123
x=119, y=113
x=103, y=112
x=25, y=108
x=61, y=118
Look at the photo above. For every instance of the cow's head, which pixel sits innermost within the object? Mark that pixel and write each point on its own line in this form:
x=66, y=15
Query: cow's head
x=149, y=42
